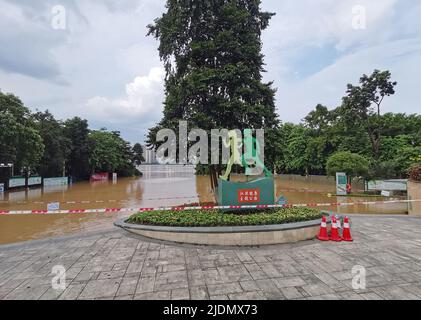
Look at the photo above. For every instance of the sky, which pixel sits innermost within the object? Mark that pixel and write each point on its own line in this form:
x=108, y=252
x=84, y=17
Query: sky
x=92, y=58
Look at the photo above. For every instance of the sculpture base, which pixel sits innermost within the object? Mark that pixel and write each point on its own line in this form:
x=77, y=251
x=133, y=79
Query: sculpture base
x=257, y=192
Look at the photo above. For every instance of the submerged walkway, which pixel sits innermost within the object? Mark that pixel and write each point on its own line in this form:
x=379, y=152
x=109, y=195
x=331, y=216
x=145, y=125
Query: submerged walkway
x=118, y=265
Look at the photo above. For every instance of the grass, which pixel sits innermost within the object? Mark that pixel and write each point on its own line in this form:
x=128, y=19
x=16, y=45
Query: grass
x=215, y=218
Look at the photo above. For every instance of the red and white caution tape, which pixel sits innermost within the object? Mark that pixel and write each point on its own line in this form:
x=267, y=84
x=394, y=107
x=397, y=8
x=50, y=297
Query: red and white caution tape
x=208, y=207
x=92, y=201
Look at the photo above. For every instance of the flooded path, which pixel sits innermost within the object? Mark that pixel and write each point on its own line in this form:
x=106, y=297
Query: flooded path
x=160, y=186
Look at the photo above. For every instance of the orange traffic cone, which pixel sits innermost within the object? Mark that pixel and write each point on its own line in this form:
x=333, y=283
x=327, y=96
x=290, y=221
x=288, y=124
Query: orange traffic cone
x=334, y=236
x=347, y=231
x=323, y=236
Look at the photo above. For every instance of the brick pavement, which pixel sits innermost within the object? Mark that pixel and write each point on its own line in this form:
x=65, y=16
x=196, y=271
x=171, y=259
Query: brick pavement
x=117, y=265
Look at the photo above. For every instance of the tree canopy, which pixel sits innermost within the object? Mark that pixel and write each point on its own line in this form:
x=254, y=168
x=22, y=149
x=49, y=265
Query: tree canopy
x=352, y=164
x=390, y=142
x=211, y=51
x=20, y=142
x=37, y=143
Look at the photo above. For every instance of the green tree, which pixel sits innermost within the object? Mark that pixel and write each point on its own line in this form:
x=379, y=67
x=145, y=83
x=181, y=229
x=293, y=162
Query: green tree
x=361, y=106
x=110, y=153
x=57, y=146
x=296, y=158
x=138, y=154
x=407, y=157
x=77, y=132
x=212, y=55
x=352, y=164
x=319, y=119
x=20, y=142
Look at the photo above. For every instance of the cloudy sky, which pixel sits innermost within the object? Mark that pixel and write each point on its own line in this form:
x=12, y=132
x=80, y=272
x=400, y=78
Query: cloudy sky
x=102, y=66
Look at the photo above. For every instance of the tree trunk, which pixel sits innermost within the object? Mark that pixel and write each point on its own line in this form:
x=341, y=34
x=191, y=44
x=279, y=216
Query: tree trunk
x=375, y=144
x=214, y=173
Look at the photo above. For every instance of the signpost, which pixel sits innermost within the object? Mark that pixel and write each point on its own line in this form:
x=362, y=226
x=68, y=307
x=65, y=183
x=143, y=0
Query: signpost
x=54, y=206
x=341, y=182
x=385, y=193
x=56, y=182
x=17, y=182
x=256, y=192
x=34, y=181
x=282, y=201
x=248, y=196
x=387, y=185
x=103, y=176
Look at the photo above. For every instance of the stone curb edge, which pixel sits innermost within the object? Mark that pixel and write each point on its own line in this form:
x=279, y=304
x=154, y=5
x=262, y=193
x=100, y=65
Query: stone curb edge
x=121, y=223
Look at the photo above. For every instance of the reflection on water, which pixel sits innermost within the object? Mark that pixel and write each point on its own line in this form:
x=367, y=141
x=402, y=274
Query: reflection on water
x=160, y=186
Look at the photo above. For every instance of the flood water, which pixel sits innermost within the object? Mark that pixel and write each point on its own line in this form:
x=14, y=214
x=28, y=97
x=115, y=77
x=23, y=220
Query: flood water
x=160, y=186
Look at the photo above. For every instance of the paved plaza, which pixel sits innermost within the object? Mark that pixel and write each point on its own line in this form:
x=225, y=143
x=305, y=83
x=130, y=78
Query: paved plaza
x=117, y=265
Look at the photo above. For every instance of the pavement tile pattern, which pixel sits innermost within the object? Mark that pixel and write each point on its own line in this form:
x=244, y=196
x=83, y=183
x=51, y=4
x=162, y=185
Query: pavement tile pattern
x=117, y=265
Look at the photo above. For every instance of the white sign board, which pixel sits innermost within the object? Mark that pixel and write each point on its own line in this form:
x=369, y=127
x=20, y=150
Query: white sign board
x=56, y=182
x=17, y=182
x=341, y=182
x=54, y=206
x=387, y=185
x=385, y=193
x=34, y=181
x=1, y=187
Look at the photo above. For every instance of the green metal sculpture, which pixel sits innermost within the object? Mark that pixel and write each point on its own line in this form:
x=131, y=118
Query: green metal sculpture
x=251, y=156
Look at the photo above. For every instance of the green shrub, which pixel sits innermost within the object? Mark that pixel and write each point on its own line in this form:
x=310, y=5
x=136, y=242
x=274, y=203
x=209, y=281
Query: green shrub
x=213, y=218
x=352, y=164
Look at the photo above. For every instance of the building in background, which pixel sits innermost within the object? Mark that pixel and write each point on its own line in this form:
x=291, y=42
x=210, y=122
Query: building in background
x=149, y=155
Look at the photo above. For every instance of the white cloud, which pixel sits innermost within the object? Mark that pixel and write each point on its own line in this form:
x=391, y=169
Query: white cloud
x=329, y=85
x=311, y=50
x=144, y=97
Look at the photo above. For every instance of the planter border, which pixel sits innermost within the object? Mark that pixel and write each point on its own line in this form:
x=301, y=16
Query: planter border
x=228, y=236
x=122, y=223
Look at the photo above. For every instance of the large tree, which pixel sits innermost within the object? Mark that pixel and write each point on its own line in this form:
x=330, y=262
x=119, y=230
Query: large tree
x=211, y=50
x=77, y=132
x=110, y=153
x=57, y=146
x=362, y=105
x=138, y=157
x=20, y=143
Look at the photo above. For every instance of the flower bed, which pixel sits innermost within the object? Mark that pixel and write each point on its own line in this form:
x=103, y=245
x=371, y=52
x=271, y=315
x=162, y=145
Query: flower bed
x=215, y=218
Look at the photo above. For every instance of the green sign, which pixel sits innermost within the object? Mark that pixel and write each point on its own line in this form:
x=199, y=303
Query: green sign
x=341, y=182
x=257, y=192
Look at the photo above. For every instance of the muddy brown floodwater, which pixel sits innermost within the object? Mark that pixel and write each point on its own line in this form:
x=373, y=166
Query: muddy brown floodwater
x=160, y=186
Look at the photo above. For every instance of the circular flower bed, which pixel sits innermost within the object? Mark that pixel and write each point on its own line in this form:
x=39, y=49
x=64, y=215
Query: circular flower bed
x=215, y=218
